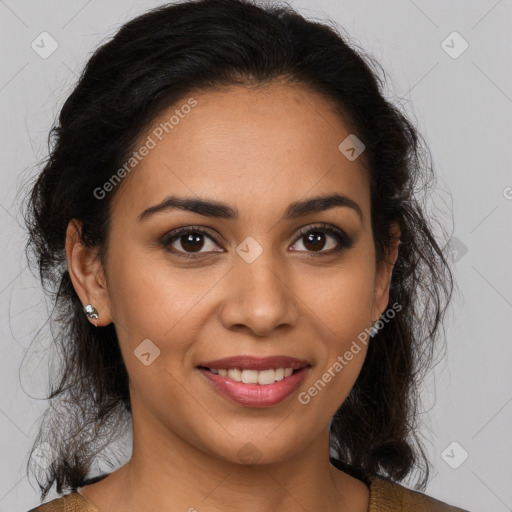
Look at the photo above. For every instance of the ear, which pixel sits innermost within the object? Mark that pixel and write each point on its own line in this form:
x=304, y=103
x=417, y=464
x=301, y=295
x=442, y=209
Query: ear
x=383, y=274
x=87, y=274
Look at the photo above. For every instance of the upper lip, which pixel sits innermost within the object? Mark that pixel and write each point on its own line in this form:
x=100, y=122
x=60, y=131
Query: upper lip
x=256, y=363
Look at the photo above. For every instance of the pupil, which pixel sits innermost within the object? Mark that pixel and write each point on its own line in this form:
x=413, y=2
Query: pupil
x=194, y=240
x=314, y=239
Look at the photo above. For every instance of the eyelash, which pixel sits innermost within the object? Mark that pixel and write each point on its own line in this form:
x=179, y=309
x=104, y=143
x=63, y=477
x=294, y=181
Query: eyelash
x=344, y=241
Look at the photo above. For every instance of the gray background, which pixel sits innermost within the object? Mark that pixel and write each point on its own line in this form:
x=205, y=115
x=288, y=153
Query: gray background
x=463, y=107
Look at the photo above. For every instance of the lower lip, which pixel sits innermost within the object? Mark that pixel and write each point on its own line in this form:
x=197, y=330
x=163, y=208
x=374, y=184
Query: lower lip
x=256, y=395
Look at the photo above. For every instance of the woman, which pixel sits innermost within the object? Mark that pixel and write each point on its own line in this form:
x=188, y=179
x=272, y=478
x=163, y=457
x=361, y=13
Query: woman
x=242, y=271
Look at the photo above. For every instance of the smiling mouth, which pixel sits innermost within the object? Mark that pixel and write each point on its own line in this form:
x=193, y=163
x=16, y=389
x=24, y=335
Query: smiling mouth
x=256, y=388
x=245, y=376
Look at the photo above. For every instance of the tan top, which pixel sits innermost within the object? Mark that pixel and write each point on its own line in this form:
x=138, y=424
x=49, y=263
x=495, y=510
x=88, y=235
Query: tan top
x=385, y=496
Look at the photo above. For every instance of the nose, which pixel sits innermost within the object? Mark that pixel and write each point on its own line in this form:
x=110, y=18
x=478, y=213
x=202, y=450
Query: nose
x=259, y=298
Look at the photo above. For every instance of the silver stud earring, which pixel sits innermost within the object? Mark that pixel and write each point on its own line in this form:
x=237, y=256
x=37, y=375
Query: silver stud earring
x=91, y=312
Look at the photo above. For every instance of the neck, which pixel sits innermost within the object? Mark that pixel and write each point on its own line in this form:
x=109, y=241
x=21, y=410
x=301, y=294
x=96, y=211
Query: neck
x=170, y=473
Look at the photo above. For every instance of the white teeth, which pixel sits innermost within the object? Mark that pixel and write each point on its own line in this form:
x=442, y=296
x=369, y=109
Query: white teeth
x=250, y=376
x=263, y=377
x=266, y=377
x=235, y=374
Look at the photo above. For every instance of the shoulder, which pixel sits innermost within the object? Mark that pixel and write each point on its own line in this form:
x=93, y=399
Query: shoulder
x=73, y=502
x=388, y=496
x=385, y=496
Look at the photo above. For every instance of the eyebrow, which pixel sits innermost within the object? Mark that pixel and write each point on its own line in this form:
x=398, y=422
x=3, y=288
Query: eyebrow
x=212, y=208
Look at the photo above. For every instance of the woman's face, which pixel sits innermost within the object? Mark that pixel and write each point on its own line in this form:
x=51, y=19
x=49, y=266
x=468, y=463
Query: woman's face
x=248, y=284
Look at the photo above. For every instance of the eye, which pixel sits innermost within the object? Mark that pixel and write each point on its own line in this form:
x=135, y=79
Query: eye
x=191, y=240
x=186, y=242
x=315, y=239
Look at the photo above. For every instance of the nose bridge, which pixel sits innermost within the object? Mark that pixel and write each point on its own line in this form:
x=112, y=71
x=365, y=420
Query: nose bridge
x=262, y=274
x=261, y=299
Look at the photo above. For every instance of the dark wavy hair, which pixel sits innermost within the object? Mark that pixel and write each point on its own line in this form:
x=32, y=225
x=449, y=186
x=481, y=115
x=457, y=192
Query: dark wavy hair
x=151, y=63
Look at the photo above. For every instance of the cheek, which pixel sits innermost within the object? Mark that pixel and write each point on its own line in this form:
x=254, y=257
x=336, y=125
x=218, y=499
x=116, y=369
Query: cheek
x=340, y=299
x=149, y=298
x=153, y=300
x=340, y=307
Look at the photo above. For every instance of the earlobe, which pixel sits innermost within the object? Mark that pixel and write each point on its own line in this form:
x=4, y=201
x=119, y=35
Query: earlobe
x=87, y=275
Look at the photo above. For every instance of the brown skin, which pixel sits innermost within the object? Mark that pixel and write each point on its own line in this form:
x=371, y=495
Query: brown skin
x=257, y=150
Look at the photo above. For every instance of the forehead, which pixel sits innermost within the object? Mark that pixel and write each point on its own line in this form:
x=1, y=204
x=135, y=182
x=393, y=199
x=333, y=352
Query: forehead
x=245, y=146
